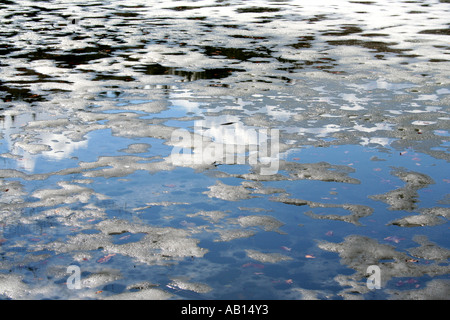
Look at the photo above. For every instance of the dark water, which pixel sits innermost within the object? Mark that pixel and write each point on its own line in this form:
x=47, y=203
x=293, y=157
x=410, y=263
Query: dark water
x=109, y=113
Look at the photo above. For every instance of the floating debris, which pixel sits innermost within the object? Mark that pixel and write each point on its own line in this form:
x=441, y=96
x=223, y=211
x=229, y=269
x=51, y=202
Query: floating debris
x=183, y=284
x=266, y=257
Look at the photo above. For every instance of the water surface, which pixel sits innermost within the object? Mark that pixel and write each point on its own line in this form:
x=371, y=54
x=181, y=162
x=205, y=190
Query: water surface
x=92, y=96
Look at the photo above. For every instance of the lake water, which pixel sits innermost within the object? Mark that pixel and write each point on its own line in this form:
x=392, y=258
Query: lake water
x=224, y=149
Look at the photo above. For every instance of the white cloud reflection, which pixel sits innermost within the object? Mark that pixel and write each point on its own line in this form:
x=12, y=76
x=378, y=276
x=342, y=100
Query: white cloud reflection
x=29, y=145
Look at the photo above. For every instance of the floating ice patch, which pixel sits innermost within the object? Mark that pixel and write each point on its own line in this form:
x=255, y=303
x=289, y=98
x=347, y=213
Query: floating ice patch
x=358, y=252
x=267, y=257
x=137, y=148
x=405, y=198
x=183, y=284
x=228, y=192
x=267, y=223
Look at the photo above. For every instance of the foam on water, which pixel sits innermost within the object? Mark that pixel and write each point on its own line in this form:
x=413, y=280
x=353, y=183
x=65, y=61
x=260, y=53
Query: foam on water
x=95, y=98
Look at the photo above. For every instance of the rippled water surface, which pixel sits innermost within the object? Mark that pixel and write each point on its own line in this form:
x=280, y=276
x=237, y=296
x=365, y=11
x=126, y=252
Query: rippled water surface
x=107, y=109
